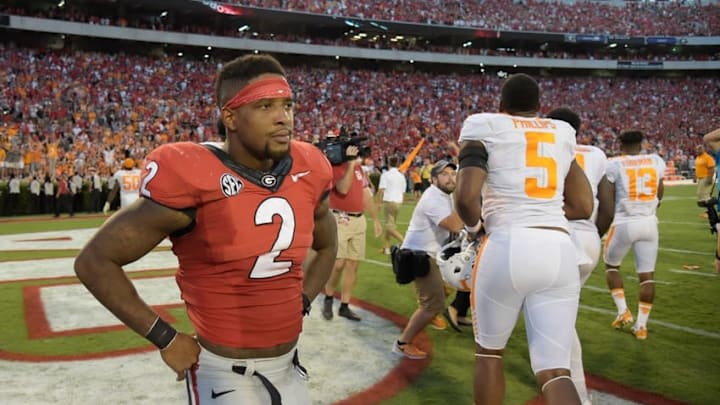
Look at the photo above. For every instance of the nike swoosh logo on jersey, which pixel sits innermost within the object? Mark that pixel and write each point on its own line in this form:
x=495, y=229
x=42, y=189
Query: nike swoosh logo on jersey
x=214, y=394
x=295, y=177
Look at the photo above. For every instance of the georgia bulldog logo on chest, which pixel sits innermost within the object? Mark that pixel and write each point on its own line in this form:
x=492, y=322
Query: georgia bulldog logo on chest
x=230, y=185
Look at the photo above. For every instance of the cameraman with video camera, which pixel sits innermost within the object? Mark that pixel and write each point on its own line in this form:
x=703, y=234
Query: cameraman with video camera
x=350, y=198
x=712, y=139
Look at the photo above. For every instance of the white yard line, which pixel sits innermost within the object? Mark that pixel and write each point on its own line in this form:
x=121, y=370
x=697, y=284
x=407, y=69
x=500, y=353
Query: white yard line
x=693, y=273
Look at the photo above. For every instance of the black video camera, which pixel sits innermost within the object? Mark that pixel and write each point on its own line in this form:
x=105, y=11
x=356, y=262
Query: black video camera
x=335, y=147
x=712, y=214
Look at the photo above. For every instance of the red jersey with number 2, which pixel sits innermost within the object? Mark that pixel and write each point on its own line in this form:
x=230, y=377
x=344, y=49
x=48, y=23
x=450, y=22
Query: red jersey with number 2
x=240, y=269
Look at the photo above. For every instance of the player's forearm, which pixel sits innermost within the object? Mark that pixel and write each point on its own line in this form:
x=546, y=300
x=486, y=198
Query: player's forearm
x=110, y=286
x=320, y=267
x=468, y=194
x=713, y=139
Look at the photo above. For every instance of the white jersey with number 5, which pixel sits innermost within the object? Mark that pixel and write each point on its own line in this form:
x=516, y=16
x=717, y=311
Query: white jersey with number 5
x=594, y=163
x=129, y=183
x=636, y=179
x=529, y=159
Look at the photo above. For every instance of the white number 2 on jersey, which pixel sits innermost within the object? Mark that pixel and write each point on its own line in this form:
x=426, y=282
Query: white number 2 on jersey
x=265, y=265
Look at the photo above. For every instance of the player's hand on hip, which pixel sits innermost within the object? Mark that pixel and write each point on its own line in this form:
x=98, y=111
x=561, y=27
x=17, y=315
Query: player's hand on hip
x=181, y=354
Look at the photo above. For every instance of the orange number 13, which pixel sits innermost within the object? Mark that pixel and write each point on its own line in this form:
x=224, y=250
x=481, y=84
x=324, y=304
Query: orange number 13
x=643, y=183
x=533, y=159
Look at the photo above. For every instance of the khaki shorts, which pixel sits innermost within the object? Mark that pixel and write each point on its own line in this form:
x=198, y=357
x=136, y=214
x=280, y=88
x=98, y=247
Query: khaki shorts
x=704, y=185
x=391, y=210
x=351, y=236
x=430, y=290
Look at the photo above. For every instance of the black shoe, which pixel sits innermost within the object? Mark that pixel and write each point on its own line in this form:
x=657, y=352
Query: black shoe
x=346, y=312
x=327, y=308
x=452, y=320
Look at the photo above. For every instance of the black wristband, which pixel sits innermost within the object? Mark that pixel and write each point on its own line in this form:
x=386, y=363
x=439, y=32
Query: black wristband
x=161, y=334
x=306, y=305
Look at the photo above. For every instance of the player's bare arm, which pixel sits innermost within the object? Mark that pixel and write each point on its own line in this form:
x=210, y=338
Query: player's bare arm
x=452, y=223
x=606, y=206
x=661, y=191
x=470, y=180
x=124, y=238
x=325, y=244
x=578, y=194
x=712, y=139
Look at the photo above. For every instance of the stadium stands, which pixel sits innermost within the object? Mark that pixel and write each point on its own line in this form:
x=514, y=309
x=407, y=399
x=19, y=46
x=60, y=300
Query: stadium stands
x=78, y=105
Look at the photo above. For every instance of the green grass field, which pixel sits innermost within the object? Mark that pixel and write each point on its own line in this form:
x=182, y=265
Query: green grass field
x=678, y=361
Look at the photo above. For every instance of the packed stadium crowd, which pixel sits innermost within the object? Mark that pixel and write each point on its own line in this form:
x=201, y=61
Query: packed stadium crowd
x=630, y=18
x=76, y=14
x=65, y=112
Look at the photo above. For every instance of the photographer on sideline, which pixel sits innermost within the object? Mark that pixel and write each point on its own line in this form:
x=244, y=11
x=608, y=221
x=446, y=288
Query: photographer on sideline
x=349, y=199
x=712, y=139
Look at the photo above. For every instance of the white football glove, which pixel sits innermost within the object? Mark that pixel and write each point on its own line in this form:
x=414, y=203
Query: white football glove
x=106, y=207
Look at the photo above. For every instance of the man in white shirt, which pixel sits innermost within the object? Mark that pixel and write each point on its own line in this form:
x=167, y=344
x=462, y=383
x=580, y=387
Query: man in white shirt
x=430, y=225
x=35, y=195
x=14, y=194
x=518, y=173
x=391, y=190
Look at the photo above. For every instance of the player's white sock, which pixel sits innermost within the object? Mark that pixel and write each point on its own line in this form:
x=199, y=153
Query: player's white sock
x=643, y=313
x=618, y=295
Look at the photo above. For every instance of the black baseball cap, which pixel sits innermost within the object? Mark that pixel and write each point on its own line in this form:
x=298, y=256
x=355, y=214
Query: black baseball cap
x=440, y=165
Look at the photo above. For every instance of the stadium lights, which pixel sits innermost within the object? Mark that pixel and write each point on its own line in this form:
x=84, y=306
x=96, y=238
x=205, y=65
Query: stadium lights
x=412, y=61
x=62, y=3
x=352, y=24
x=337, y=57
x=243, y=28
x=209, y=48
x=180, y=54
x=206, y=56
x=514, y=65
x=467, y=44
x=613, y=45
x=163, y=14
x=256, y=51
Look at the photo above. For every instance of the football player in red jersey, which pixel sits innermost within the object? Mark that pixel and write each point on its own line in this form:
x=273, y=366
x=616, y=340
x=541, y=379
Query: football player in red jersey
x=239, y=216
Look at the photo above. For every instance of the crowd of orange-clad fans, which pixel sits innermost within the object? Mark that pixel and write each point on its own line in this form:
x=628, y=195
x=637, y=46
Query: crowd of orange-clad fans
x=70, y=112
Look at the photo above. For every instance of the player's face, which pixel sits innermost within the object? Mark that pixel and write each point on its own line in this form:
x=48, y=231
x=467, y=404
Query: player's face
x=265, y=127
x=445, y=181
x=262, y=129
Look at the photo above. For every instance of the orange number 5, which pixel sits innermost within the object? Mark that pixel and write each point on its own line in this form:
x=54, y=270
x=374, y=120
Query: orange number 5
x=533, y=159
x=131, y=183
x=646, y=190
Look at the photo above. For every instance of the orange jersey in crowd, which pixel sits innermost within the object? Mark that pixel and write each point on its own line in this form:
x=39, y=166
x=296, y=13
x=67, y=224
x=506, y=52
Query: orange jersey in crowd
x=240, y=269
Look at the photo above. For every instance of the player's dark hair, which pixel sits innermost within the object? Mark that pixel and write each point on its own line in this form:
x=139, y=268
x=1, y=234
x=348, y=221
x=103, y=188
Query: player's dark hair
x=631, y=137
x=567, y=115
x=393, y=161
x=520, y=93
x=235, y=74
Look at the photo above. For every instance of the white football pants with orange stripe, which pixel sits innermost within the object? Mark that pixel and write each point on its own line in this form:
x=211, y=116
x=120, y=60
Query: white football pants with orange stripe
x=534, y=269
x=641, y=235
x=213, y=381
x=588, y=246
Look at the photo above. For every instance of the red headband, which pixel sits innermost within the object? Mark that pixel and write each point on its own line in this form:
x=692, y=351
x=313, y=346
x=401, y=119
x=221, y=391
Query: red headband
x=271, y=87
